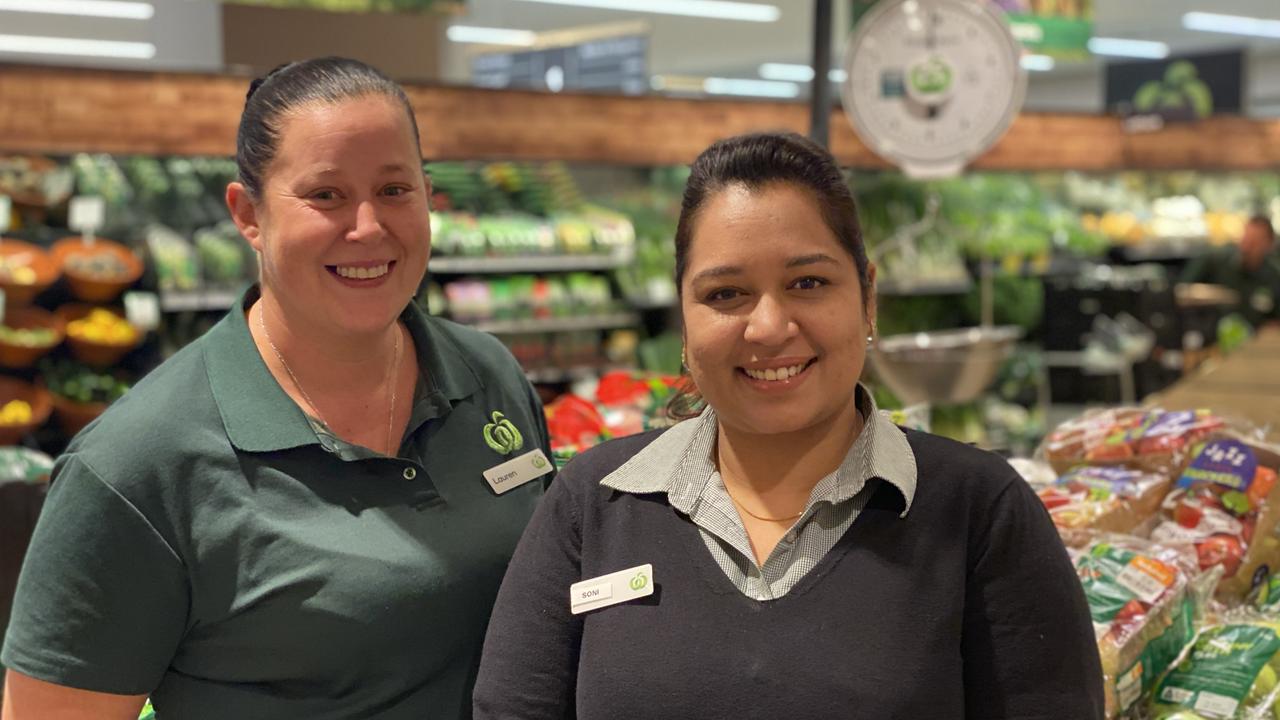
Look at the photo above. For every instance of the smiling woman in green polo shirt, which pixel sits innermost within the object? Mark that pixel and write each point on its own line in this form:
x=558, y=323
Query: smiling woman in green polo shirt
x=290, y=518
x=788, y=552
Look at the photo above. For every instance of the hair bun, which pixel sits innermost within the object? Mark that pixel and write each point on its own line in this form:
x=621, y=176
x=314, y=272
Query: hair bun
x=253, y=87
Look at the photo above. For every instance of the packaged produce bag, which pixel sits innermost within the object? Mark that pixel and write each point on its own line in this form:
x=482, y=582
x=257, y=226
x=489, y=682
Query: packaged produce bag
x=1153, y=440
x=1226, y=504
x=1228, y=672
x=1108, y=499
x=1144, y=599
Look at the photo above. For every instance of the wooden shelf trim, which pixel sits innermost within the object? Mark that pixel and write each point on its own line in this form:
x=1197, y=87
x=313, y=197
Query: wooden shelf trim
x=59, y=111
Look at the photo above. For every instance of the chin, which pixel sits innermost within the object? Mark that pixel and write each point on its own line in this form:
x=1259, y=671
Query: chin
x=775, y=424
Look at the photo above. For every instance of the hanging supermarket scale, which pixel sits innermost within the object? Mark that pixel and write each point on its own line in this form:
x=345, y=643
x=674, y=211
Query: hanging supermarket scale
x=932, y=84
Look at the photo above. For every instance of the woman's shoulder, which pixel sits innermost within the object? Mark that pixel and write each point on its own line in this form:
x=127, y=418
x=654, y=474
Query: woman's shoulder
x=964, y=468
x=596, y=463
x=481, y=350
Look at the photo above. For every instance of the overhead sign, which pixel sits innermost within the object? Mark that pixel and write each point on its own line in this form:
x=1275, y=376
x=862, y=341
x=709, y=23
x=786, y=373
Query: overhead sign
x=616, y=64
x=1179, y=89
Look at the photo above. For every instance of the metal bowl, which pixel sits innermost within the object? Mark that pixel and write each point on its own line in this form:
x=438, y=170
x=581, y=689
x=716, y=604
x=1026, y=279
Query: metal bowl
x=943, y=366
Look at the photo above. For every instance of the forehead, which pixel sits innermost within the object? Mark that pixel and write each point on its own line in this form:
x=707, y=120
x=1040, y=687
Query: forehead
x=740, y=223
x=363, y=125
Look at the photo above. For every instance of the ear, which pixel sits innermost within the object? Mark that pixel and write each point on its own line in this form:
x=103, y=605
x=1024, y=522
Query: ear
x=870, y=309
x=245, y=214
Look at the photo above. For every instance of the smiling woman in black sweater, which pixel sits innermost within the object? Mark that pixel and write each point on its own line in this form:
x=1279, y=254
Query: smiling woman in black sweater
x=788, y=552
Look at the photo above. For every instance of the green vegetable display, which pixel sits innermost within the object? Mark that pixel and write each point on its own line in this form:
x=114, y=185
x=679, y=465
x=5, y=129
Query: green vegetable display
x=81, y=384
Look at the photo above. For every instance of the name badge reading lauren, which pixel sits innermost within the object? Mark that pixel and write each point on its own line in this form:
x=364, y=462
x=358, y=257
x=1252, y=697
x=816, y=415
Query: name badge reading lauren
x=611, y=589
x=518, y=471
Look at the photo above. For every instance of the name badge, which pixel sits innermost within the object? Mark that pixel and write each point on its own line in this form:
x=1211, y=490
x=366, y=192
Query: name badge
x=622, y=586
x=518, y=471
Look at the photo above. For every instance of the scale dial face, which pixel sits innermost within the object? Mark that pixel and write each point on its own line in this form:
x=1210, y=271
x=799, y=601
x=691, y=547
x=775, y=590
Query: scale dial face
x=932, y=83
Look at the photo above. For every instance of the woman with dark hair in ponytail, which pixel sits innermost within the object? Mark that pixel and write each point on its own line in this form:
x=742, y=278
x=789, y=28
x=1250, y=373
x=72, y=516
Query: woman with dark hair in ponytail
x=290, y=518
x=787, y=552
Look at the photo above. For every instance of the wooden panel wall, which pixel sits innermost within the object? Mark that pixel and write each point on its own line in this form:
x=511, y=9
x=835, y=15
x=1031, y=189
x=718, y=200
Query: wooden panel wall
x=62, y=111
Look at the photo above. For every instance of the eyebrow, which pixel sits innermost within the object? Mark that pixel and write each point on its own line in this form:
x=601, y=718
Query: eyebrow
x=799, y=261
x=384, y=170
x=813, y=259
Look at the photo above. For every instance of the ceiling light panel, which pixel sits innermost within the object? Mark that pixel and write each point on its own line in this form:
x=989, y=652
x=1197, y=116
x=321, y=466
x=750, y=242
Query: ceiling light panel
x=1231, y=24
x=39, y=45
x=87, y=8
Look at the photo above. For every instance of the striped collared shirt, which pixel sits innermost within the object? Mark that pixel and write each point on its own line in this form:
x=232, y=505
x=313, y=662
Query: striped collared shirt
x=681, y=463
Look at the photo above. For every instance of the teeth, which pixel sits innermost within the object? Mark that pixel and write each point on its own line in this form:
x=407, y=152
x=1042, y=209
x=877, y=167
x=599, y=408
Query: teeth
x=773, y=374
x=363, y=273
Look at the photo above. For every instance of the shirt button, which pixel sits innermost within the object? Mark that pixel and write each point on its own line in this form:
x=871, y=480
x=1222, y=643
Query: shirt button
x=791, y=537
x=410, y=473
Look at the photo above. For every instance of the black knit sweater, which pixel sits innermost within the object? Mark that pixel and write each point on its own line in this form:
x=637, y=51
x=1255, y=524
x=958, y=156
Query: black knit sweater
x=966, y=608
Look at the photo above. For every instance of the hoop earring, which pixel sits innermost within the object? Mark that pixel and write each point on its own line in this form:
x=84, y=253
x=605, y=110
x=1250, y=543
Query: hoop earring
x=684, y=365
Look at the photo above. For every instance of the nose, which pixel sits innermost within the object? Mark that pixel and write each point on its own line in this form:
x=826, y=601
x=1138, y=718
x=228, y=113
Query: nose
x=770, y=323
x=368, y=226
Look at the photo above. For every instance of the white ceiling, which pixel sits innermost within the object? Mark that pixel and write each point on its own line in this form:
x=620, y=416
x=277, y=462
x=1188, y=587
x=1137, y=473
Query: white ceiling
x=187, y=35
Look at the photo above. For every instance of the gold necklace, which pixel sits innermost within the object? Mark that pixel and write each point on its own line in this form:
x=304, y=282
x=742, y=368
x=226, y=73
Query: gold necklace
x=760, y=517
x=315, y=410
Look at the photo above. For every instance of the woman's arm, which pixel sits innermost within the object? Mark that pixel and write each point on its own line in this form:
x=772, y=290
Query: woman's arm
x=1028, y=645
x=530, y=662
x=26, y=698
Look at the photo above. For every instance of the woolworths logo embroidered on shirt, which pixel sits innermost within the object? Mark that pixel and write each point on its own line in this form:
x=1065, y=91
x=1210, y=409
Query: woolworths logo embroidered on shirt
x=502, y=436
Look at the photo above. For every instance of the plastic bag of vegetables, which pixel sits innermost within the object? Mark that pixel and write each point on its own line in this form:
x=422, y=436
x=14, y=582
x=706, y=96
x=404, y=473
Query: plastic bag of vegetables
x=1109, y=499
x=1226, y=503
x=1144, y=599
x=1149, y=439
x=1228, y=673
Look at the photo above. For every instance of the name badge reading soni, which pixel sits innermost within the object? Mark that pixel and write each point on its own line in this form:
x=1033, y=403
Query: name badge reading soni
x=622, y=586
x=518, y=471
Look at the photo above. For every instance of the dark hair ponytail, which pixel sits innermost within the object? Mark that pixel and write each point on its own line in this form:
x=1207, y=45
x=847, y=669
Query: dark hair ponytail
x=294, y=85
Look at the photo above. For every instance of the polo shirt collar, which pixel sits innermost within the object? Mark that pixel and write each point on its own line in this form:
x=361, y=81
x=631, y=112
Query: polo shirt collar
x=260, y=417
x=679, y=462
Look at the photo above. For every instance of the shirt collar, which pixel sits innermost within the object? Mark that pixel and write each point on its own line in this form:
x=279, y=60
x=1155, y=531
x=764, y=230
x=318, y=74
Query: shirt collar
x=260, y=417
x=679, y=462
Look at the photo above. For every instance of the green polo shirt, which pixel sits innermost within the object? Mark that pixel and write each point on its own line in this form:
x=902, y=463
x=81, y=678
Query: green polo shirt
x=203, y=542
x=1259, y=289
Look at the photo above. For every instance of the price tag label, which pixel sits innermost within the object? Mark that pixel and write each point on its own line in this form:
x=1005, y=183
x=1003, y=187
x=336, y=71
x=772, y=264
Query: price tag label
x=86, y=213
x=142, y=310
x=1146, y=578
x=1229, y=463
x=6, y=212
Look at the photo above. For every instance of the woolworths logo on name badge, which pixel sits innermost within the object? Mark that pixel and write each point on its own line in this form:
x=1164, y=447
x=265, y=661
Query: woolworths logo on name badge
x=502, y=436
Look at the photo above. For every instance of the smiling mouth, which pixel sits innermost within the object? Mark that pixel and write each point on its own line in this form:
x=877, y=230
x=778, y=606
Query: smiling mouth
x=777, y=374
x=360, y=272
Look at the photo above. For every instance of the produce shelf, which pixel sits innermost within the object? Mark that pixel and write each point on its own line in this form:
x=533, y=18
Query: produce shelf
x=197, y=300
x=559, y=375
x=954, y=287
x=569, y=324
x=527, y=263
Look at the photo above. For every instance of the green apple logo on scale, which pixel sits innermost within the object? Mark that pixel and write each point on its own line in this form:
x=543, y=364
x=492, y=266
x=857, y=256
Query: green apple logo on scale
x=932, y=83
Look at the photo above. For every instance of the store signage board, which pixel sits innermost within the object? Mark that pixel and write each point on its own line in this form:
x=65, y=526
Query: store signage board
x=615, y=64
x=1152, y=93
x=932, y=84
x=142, y=310
x=86, y=214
